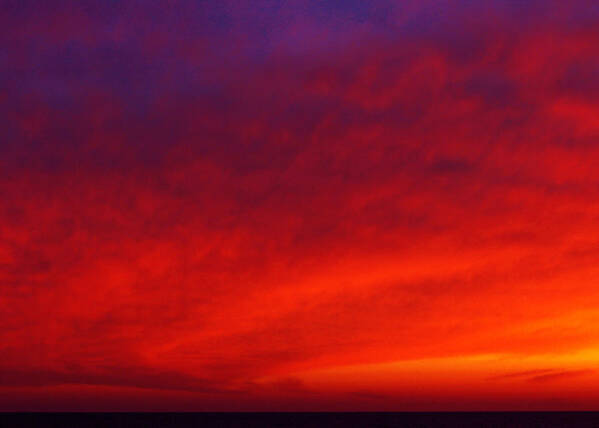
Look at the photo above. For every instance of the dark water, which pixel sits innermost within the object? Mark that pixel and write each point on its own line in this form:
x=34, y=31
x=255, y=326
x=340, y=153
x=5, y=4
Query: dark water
x=483, y=419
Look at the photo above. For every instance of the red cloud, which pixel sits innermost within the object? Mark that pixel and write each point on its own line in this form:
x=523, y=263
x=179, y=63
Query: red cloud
x=426, y=196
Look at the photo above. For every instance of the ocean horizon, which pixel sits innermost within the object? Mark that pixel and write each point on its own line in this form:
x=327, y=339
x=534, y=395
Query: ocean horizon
x=301, y=419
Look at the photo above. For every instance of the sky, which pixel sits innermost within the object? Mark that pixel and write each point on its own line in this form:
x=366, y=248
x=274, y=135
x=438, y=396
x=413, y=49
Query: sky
x=299, y=205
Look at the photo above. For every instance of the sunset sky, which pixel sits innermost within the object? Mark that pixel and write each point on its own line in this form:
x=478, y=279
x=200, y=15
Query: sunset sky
x=299, y=205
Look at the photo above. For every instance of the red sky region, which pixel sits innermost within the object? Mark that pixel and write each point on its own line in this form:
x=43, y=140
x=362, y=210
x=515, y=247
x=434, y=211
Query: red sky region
x=315, y=206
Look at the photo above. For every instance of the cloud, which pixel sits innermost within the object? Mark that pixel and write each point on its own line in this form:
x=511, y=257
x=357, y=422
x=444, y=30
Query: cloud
x=200, y=196
x=550, y=377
